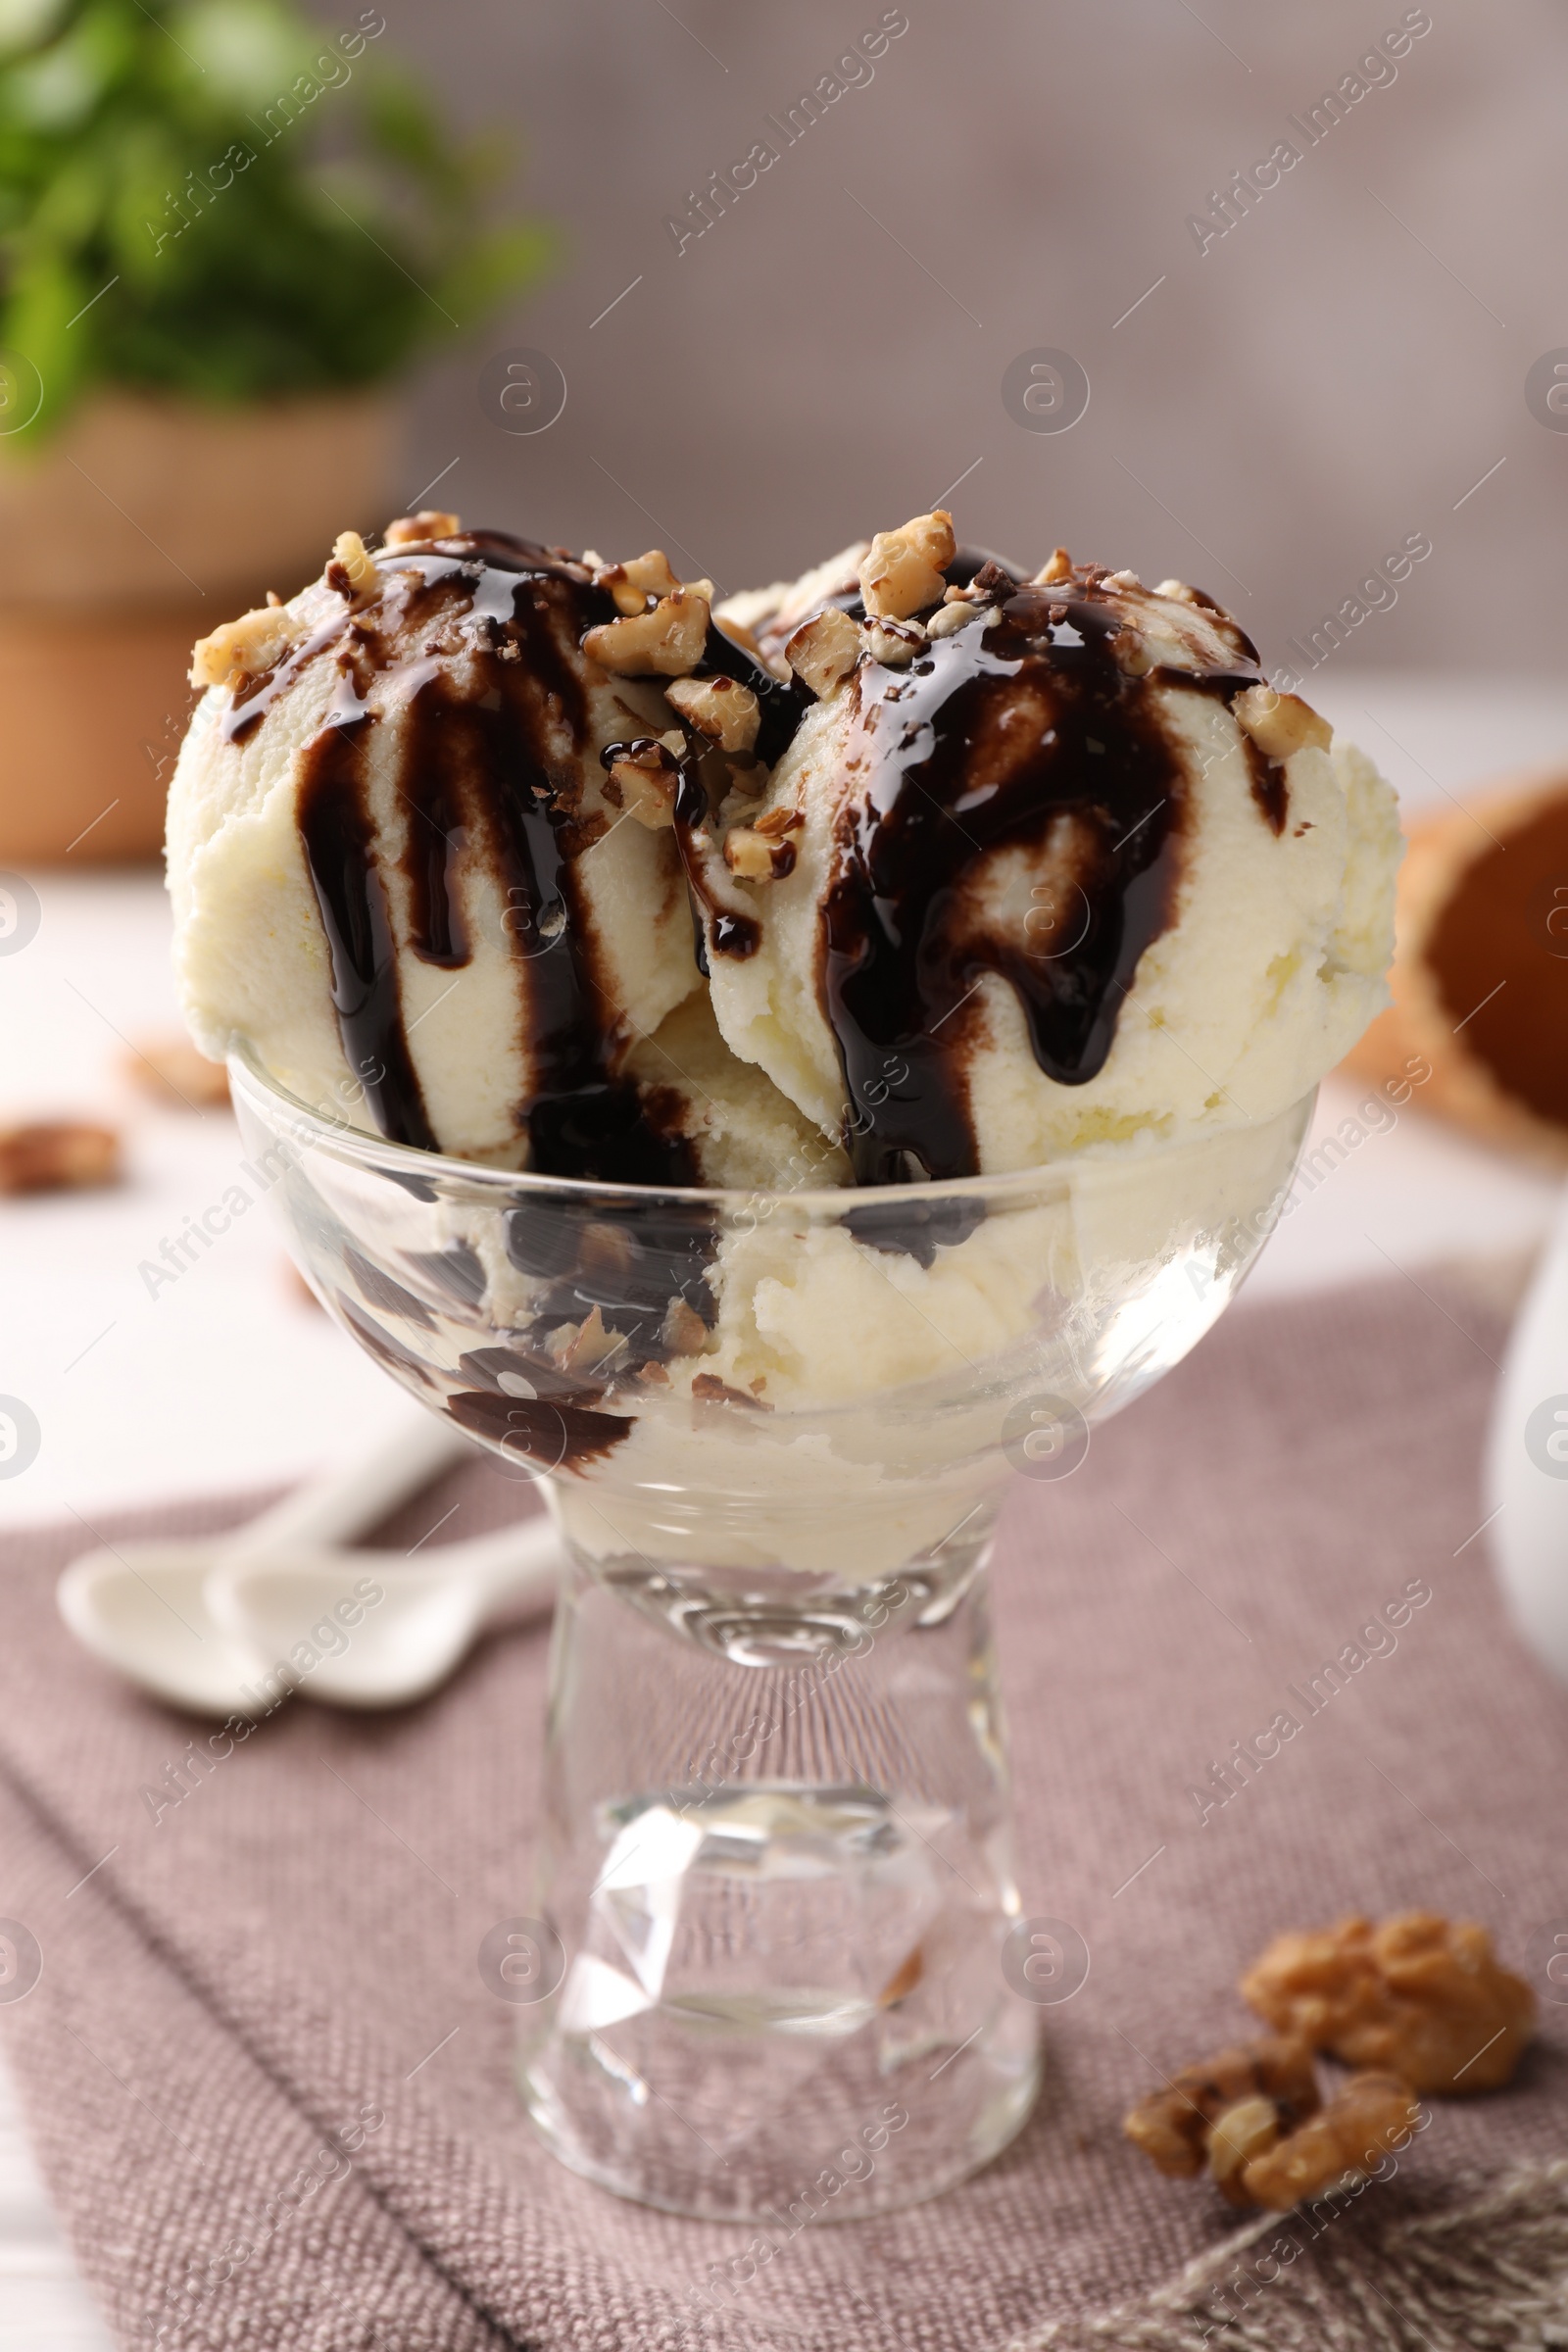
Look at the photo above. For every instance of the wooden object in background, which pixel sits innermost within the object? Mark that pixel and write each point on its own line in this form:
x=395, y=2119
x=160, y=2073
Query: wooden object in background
x=144, y=525
x=1480, y=976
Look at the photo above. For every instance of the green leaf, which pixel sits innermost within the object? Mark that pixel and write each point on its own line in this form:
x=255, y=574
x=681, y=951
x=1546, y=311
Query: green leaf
x=250, y=49
x=55, y=91
x=178, y=152
x=24, y=22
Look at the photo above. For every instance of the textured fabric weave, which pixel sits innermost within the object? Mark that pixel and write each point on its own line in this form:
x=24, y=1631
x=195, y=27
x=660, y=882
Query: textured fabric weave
x=291, y=1950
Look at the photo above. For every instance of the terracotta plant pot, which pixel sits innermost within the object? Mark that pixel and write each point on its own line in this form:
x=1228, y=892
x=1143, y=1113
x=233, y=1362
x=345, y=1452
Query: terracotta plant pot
x=139, y=528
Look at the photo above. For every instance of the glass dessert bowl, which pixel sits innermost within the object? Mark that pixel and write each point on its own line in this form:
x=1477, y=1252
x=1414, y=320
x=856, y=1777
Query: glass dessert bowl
x=774, y=1878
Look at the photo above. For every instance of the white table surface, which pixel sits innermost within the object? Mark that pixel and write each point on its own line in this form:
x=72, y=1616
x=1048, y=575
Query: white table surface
x=228, y=1379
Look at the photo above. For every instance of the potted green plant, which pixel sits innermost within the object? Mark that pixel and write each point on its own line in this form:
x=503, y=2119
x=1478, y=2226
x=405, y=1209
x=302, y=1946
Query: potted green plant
x=226, y=232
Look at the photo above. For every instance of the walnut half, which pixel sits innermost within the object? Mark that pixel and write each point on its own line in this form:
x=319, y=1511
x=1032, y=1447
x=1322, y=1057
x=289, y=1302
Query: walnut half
x=1252, y=2118
x=1422, y=1996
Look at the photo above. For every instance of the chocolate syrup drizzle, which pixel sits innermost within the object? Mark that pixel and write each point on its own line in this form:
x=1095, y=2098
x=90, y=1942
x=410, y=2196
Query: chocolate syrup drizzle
x=335, y=825
x=1269, y=788
x=995, y=738
x=482, y=778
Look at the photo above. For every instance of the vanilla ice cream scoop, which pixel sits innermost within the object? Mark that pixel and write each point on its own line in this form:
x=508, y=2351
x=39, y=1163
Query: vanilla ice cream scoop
x=1043, y=866
x=402, y=869
x=911, y=868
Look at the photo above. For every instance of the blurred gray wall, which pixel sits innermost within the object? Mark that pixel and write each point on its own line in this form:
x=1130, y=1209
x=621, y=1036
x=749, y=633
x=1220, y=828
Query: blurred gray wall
x=1321, y=383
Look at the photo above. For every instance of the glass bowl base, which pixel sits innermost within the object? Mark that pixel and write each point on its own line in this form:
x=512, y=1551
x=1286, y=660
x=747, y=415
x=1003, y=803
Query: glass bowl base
x=777, y=1904
x=815, y=2107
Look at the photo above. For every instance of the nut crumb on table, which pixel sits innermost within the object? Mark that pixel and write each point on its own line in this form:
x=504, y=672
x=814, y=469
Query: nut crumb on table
x=172, y=1070
x=52, y=1155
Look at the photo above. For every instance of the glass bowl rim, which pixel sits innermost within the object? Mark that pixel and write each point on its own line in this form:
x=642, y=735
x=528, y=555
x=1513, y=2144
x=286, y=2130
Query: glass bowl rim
x=250, y=1074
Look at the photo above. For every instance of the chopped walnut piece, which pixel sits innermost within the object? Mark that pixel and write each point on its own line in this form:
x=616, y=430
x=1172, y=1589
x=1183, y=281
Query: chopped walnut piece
x=894, y=643
x=646, y=794
x=242, y=649
x=1172, y=2126
x=643, y=782
x=755, y=858
x=684, y=1333
x=902, y=571
x=775, y=823
x=587, y=1348
x=603, y=1247
x=1280, y=723
x=431, y=523
x=903, y=1980
x=1420, y=1996
x=1337, y=2146
x=666, y=641
x=352, y=557
x=708, y=1389
x=722, y=708
x=54, y=1155
x=171, y=1069
x=957, y=615
x=631, y=584
x=1055, y=573
x=1177, y=591
x=824, y=649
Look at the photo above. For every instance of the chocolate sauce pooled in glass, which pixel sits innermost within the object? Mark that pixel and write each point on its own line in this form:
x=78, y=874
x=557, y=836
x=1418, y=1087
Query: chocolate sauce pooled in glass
x=481, y=779
x=1025, y=733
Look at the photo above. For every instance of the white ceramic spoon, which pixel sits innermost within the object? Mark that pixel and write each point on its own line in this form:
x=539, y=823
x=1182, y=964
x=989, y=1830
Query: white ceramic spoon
x=1527, y=1461
x=410, y=1621
x=143, y=1607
